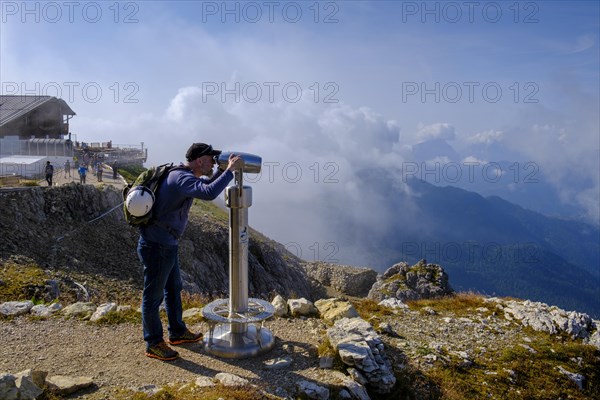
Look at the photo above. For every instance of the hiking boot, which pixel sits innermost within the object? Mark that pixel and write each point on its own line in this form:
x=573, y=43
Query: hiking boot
x=187, y=337
x=162, y=352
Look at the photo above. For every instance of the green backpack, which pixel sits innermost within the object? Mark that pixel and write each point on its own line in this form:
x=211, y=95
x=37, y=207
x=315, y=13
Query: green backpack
x=148, y=183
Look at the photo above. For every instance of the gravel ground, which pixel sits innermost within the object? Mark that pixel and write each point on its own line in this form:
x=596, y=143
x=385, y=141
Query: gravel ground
x=113, y=356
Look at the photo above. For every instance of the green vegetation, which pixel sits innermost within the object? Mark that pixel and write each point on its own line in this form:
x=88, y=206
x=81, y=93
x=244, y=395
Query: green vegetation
x=16, y=280
x=200, y=208
x=459, y=304
x=517, y=373
x=120, y=317
x=193, y=392
x=130, y=172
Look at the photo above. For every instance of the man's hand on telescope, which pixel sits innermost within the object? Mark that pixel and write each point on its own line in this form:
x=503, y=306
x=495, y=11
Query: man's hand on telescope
x=235, y=162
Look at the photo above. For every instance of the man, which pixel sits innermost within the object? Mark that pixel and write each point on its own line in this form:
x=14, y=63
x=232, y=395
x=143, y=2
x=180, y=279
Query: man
x=82, y=173
x=49, y=172
x=158, y=245
x=67, y=168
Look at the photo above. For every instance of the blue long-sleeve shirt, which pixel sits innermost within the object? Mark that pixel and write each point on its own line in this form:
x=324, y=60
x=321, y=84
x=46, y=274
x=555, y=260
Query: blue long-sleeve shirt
x=174, y=200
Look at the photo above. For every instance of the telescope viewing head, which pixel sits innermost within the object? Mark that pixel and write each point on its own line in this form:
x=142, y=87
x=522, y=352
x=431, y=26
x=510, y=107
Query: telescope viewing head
x=251, y=162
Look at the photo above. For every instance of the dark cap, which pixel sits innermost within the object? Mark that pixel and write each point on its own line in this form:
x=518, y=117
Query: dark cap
x=200, y=149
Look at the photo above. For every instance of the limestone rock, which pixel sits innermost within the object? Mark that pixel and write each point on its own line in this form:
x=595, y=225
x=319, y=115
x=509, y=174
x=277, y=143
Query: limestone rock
x=204, y=381
x=312, y=390
x=278, y=363
x=347, y=280
x=334, y=309
x=300, y=307
x=15, y=308
x=64, y=385
x=192, y=312
x=545, y=318
x=281, y=307
x=30, y=383
x=404, y=282
x=360, y=347
x=41, y=310
x=8, y=387
x=79, y=310
x=355, y=389
x=227, y=379
x=577, y=378
x=102, y=310
x=393, y=303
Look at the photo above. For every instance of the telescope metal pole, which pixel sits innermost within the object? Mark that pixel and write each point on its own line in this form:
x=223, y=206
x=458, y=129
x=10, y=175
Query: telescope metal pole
x=239, y=199
x=236, y=330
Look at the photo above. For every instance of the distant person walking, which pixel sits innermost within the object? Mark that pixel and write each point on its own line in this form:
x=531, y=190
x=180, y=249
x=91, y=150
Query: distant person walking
x=49, y=172
x=82, y=173
x=99, y=171
x=67, y=168
x=115, y=169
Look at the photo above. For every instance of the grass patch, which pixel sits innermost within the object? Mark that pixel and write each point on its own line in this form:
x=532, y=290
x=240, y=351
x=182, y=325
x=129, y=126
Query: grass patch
x=120, y=317
x=201, y=207
x=517, y=373
x=193, y=392
x=460, y=303
x=15, y=279
x=369, y=308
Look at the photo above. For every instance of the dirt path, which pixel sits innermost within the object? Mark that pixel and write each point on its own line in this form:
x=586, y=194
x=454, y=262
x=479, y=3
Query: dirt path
x=113, y=355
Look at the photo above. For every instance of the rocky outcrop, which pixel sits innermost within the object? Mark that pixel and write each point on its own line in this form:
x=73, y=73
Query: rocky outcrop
x=346, y=280
x=82, y=228
x=544, y=318
x=406, y=282
x=360, y=347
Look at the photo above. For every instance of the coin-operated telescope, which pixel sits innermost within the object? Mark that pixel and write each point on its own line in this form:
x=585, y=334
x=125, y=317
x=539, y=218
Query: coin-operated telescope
x=237, y=324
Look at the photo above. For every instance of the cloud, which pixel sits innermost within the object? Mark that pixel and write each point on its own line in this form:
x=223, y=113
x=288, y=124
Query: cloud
x=438, y=130
x=487, y=137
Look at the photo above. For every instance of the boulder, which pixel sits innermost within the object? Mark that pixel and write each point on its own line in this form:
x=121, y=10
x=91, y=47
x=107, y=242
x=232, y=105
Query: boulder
x=346, y=280
x=312, y=390
x=102, y=310
x=334, y=309
x=227, y=379
x=79, y=310
x=15, y=308
x=8, y=387
x=302, y=306
x=280, y=305
x=66, y=385
x=405, y=282
x=41, y=310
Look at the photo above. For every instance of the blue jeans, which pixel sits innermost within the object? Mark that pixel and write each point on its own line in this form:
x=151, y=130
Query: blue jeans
x=162, y=279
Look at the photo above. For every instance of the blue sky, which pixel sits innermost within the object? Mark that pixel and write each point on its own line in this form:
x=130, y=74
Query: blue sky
x=521, y=78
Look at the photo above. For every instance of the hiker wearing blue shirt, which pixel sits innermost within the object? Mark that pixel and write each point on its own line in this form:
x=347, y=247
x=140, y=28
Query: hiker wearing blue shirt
x=158, y=245
x=82, y=173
